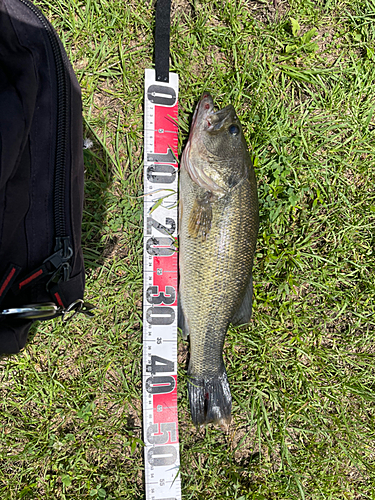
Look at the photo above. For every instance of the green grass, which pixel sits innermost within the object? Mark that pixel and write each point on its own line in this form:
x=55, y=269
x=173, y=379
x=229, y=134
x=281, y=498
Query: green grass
x=303, y=373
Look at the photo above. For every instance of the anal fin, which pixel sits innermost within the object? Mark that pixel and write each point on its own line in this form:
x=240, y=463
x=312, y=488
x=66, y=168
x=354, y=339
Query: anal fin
x=243, y=313
x=181, y=320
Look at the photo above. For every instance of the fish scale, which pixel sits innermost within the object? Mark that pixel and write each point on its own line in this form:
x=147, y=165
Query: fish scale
x=219, y=264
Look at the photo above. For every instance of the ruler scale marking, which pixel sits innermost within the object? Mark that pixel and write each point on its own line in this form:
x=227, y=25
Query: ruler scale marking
x=160, y=290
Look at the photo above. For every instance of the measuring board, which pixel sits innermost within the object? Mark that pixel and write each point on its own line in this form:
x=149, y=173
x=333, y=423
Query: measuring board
x=160, y=420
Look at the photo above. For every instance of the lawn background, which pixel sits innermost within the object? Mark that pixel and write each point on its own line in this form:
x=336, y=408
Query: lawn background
x=302, y=374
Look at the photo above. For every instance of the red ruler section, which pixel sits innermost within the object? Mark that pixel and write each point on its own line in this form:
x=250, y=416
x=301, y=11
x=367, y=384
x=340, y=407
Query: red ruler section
x=166, y=130
x=165, y=274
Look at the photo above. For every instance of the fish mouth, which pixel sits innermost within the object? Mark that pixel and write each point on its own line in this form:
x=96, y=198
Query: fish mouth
x=204, y=108
x=210, y=118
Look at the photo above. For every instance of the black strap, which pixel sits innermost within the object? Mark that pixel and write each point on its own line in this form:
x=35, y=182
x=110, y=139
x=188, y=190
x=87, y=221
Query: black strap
x=162, y=30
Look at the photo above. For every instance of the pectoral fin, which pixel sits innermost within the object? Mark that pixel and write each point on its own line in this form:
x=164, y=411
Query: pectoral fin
x=200, y=218
x=243, y=313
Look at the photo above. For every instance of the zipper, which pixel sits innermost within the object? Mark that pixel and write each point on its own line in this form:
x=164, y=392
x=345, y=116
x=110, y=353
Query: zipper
x=62, y=240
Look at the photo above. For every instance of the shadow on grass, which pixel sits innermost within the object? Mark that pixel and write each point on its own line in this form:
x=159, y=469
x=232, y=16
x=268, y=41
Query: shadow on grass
x=98, y=181
x=112, y=214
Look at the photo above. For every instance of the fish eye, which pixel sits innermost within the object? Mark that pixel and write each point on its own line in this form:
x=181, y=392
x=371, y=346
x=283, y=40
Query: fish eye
x=234, y=130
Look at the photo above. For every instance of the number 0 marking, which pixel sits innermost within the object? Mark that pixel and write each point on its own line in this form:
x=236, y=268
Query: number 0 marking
x=162, y=455
x=160, y=315
x=160, y=384
x=160, y=94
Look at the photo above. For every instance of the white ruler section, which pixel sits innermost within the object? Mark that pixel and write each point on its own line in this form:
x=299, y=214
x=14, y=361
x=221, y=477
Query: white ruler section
x=162, y=459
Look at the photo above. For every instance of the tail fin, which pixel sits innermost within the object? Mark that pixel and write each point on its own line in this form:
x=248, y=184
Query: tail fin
x=210, y=399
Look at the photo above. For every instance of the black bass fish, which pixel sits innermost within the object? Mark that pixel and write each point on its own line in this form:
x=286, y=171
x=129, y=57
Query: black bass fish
x=219, y=221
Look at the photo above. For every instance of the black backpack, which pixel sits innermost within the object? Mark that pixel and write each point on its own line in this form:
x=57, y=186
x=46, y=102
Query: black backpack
x=41, y=175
